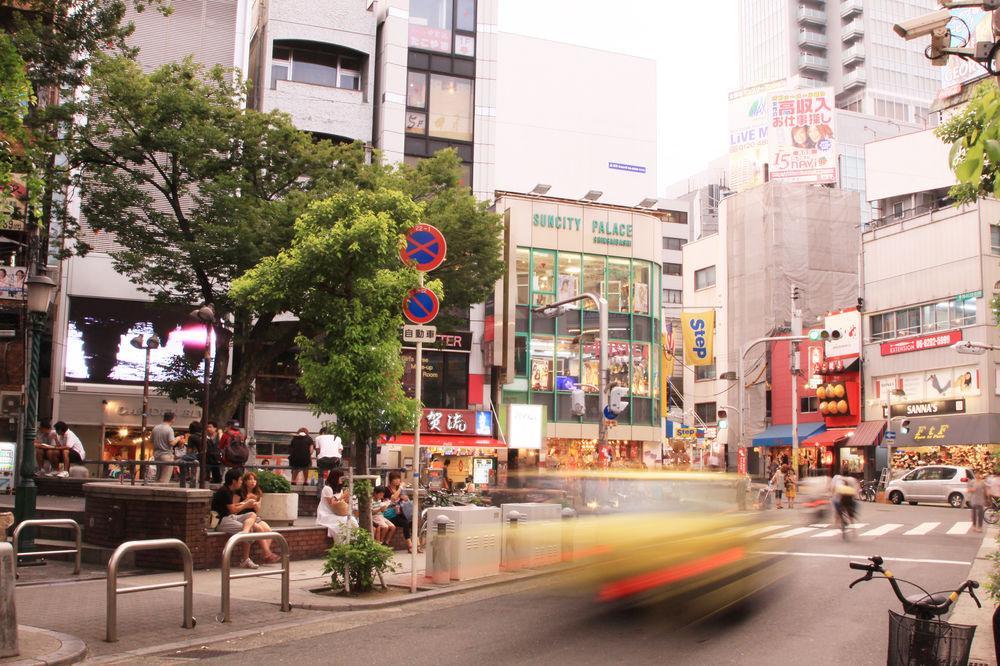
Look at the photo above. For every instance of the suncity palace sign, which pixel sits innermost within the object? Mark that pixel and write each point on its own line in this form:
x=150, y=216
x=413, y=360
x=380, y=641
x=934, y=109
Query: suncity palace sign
x=603, y=231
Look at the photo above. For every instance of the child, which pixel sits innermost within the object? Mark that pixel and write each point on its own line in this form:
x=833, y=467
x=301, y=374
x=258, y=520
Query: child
x=384, y=529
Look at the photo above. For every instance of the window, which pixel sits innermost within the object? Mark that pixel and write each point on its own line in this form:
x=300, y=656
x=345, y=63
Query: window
x=673, y=243
x=522, y=262
x=995, y=238
x=897, y=210
x=450, y=112
x=706, y=412
x=671, y=269
x=928, y=318
x=640, y=288
x=702, y=372
x=430, y=25
x=673, y=296
x=704, y=278
x=618, y=284
x=808, y=405
x=316, y=66
x=465, y=15
x=674, y=217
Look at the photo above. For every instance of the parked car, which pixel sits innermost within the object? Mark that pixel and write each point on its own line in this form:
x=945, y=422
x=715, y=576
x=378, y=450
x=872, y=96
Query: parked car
x=934, y=483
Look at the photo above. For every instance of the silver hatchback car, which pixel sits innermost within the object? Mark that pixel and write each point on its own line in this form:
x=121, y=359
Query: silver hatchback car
x=934, y=483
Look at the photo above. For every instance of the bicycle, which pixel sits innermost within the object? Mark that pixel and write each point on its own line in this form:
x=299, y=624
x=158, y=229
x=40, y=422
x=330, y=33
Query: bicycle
x=868, y=491
x=922, y=639
x=992, y=513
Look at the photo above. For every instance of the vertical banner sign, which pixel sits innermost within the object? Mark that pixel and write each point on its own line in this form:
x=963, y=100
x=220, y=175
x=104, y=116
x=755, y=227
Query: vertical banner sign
x=666, y=366
x=699, y=337
x=749, y=124
x=801, y=138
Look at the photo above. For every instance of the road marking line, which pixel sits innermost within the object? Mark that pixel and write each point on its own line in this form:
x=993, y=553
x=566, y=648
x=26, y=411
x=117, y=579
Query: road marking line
x=961, y=527
x=864, y=557
x=769, y=528
x=830, y=533
x=922, y=528
x=790, y=533
x=820, y=525
x=882, y=529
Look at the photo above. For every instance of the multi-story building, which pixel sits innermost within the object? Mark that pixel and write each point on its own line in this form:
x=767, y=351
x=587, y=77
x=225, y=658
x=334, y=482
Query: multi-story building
x=931, y=271
x=848, y=44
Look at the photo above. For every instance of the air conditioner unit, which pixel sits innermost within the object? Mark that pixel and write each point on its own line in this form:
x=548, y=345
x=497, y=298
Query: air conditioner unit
x=474, y=533
x=539, y=535
x=10, y=403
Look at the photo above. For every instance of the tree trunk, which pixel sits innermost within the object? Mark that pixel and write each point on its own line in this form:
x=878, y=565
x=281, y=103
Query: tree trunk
x=360, y=460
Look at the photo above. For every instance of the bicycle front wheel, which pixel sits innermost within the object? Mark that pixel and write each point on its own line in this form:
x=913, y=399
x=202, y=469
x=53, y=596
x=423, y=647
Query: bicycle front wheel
x=991, y=515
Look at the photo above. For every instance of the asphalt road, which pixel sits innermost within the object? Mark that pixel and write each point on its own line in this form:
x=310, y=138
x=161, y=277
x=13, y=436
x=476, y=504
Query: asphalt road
x=811, y=617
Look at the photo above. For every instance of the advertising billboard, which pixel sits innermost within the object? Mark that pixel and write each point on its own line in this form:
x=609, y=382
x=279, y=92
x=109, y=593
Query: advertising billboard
x=699, y=337
x=801, y=138
x=749, y=123
x=848, y=323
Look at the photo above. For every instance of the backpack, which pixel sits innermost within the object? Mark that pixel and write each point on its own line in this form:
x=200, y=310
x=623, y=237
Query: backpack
x=236, y=452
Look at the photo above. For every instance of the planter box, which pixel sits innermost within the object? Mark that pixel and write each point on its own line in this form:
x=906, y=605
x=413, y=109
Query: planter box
x=279, y=508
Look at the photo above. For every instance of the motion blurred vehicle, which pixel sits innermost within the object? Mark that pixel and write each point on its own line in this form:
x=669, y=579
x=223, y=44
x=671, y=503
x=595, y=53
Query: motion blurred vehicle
x=933, y=483
x=674, y=539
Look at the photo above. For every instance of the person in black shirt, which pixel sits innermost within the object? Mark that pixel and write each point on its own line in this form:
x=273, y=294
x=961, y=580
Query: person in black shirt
x=300, y=453
x=226, y=503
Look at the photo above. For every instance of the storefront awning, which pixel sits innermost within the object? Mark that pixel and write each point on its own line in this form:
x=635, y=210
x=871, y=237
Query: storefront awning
x=781, y=435
x=955, y=429
x=832, y=437
x=868, y=433
x=406, y=439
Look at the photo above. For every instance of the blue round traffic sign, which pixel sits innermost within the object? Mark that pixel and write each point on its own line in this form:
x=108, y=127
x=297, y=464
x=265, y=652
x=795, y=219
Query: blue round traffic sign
x=421, y=306
x=425, y=248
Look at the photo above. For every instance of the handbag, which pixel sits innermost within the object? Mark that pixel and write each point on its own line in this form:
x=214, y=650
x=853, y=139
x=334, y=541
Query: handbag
x=390, y=513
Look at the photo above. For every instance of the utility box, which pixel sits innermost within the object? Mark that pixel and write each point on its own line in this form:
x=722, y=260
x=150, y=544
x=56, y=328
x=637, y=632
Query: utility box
x=539, y=535
x=474, y=540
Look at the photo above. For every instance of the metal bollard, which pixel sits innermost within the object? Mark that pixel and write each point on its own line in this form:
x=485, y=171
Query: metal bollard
x=8, y=615
x=568, y=515
x=441, y=557
x=512, y=542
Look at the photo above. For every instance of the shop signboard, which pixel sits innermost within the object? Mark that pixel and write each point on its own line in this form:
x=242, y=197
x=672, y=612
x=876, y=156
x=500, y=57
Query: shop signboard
x=450, y=422
x=481, y=468
x=8, y=454
x=928, y=408
x=525, y=426
x=484, y=423
x=848, y=322
x=686, y=433
x=922, y=342
x=951, y=430
x=801, y=137
x=741, y=460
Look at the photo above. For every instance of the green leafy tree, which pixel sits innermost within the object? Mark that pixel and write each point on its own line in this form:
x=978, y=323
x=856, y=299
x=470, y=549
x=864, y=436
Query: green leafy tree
x=19, y=181
x=196, y=190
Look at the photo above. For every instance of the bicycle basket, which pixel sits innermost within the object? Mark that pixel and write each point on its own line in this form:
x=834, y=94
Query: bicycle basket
x=914, y=642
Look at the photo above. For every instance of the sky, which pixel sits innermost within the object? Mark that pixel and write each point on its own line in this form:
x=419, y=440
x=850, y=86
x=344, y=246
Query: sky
x=696, y=67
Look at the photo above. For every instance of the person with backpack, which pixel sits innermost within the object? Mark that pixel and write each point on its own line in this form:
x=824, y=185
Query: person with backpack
x=233, y=445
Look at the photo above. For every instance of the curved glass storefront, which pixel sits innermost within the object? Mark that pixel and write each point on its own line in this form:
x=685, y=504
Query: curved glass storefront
x=554, y=355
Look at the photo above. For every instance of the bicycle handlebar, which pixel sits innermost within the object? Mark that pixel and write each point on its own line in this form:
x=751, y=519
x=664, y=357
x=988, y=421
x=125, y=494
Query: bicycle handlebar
x=926, y=604
x=861, y=567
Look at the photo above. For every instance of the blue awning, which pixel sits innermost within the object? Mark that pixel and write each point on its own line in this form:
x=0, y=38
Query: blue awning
x=781, y=435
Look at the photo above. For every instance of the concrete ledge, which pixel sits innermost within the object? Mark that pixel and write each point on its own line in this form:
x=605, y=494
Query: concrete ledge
x=41, y=646
x=160, y=493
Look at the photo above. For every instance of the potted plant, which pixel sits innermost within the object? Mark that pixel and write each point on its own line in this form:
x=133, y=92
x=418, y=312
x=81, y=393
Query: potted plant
x=279, y=504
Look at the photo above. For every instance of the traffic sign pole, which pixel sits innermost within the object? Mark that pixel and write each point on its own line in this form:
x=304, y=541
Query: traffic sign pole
x=415, y=534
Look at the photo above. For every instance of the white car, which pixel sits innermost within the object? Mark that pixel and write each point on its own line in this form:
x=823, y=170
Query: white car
x=933, y=483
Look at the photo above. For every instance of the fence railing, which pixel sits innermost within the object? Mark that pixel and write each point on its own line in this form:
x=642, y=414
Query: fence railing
x=68, y=523
x=111, y=631
x=227, y=576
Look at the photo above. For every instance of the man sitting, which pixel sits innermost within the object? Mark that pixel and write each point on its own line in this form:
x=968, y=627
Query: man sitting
x=228, y=506
x=63, y=447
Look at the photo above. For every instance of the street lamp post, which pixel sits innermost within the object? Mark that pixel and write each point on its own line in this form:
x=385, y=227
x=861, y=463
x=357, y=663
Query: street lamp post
x=40, y=289
x=148, y=344
x=206, y=315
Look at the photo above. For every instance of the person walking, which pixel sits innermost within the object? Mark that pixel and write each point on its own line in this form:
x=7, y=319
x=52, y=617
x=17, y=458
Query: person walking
x=164, y=441
x=778, y=484
x=975, y=491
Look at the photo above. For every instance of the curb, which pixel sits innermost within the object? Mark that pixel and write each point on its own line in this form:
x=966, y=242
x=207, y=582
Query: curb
x=71, y=650
x=983, y=650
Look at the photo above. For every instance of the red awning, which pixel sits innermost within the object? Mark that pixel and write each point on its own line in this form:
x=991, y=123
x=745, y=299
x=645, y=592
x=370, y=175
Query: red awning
x=868, y=433
x=832, y=437
x=406, y=439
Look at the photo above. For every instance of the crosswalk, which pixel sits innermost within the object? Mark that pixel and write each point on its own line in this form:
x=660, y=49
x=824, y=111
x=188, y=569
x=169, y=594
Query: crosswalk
x=828, y=530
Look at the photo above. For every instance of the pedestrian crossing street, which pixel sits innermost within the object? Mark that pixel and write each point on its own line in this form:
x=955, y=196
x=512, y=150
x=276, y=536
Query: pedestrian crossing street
x=828, y=530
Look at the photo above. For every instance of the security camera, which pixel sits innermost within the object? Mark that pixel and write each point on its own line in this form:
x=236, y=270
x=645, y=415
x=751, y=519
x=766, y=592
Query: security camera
x=921, y=26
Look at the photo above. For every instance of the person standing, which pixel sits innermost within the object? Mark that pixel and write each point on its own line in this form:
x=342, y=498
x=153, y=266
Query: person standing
x=300, y=454
x=329, y=451
x=235, y=451
x=213, y=457
x=164, y=441
x=192, y=454
x=778, y=484
x=975, y=491
x=791, y=487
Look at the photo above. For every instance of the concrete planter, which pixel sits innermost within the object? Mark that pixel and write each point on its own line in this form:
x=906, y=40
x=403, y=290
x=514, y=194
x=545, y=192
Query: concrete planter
x=279, y=508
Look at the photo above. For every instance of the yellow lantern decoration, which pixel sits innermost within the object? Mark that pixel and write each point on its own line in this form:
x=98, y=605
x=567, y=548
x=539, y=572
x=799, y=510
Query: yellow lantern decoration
x=842, y=406
x=821, y=392
x=839, y=391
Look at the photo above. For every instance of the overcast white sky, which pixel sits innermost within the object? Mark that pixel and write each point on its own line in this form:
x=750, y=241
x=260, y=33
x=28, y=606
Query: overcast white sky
x=693, y=43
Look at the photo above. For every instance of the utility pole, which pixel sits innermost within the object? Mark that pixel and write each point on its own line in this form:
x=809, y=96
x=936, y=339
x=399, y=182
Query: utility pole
x=793, y=346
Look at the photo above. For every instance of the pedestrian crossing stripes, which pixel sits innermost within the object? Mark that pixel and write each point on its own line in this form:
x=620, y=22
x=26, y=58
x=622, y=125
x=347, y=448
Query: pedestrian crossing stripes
x=862, y=530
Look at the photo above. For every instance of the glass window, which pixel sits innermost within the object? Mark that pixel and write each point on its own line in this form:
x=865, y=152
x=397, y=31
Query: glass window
x=430, y=25
x=569, y=276
x=640, y=287
x=995, y=238
x=618, y=284
x=416, y=89
x=640, y=370
x=520, y=356
x=465, y=46
x=465, y=15
x=908, y=322
x=350, y=74
x=673, y=243
x=706, y=412
x=619, y=354
x=672, y=269
x=675, y=296
x=593, y=277
x=808, y=405
x=883, y=326
x=963, y=312
x=541, y=363
x=704, y=278
x=704, y=372
x=450, y=108
x=315, y=67
x=416, y=122
x=543, y=276
x=567, y=364
x=523, y=275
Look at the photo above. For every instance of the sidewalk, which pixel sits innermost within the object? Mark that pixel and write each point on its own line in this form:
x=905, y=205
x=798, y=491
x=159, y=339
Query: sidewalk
x=966, y=611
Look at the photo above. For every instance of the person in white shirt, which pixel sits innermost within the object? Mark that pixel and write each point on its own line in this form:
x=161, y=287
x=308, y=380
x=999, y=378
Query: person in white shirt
x=70, y=447
x=329, y=451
